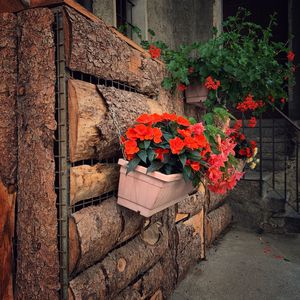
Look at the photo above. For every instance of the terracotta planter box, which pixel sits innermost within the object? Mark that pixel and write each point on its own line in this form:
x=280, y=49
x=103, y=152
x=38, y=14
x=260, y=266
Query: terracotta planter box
x=196, y=93
x=152, y=192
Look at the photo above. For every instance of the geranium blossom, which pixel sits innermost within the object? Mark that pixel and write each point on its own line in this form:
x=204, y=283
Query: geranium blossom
x=154, y=51
x=290, y=56
x=176, y=145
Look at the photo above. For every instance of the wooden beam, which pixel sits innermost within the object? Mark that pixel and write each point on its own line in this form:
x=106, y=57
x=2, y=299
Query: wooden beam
x=7, y=225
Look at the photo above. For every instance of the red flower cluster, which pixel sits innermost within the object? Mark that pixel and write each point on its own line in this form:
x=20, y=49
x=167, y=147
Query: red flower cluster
x=252, y=122
x=290, y=56
x=219, y=181
x=173, y=144
x=181, y=87
x=154, y=51
x=248, y=103
x=211, y=84
x=243, y=149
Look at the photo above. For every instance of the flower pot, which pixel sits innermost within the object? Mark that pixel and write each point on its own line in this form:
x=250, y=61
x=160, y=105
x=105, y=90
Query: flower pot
x=152, y=192
x=196, y=93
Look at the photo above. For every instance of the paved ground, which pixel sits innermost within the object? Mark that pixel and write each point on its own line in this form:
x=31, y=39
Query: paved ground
x=246, y=266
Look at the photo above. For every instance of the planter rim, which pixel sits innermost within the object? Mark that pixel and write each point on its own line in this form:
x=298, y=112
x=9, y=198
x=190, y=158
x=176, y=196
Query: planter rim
x=158, y=175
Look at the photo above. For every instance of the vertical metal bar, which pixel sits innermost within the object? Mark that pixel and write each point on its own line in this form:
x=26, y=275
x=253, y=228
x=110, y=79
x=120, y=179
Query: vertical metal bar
x=273, y=154
x=260, y=157
x=297, y=172
x=285, y=162
x=63, y=158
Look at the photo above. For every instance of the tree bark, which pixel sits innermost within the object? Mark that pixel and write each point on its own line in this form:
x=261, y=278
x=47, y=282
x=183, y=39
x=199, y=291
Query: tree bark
x=216, y=221
x=157, y=283
x=92, y=131
x=215, y=201
x=37, y=262
x=96, y=230
x=93, y=48
x=190, y=245
x=107, y=278
x=8, y=86
x=192, y=204
x=91, y=181
x=8, y=149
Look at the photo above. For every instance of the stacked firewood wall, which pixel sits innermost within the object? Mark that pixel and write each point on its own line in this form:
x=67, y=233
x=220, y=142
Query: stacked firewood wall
x=114, y=253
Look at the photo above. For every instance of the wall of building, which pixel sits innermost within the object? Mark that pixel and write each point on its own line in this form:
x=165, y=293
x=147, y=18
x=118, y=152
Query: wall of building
x=174, y=21
x=106, y=10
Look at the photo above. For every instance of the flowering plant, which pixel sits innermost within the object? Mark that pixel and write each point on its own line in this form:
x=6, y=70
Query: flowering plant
x=173, y=144
x=242, y=67
x=244, y=149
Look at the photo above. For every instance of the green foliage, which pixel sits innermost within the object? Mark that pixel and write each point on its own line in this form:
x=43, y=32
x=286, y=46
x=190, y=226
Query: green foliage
x=243, y=57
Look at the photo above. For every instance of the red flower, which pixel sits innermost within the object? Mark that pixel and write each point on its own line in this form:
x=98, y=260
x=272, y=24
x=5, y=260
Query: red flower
x=160, y=153
x=242, y=137
x=154, y=51
x=156, y=118
x=242, y=152
x=253, y=144
x=157, y=134
x=197, y=129
x=145, y=119
x=169, y=117
x=184, y=133
x=176, y=145
x=282, y=100
x=131, y=147
x=190, y=142
x=202, y=141
x=143, y=132
x=271, y=99
x=181, y=87
x=238, y=125
x=252, y=122
x=131, y=134
x=193, y=164
x=290, y=56
x=183, y=121
x=248, y=103
x=211, y=84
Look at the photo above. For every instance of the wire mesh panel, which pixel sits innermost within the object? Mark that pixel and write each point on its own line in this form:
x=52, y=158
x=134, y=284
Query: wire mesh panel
x=62, y=159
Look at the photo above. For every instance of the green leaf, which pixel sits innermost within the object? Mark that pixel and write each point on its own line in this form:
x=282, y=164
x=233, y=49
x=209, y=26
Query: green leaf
x=142, y=154
x=208, y=118
x=187, y=172
x=150, y=154
x=192, y=120
x=151, y=32
x=147, y=144
x=195, y=156
x=182, y=158
x=133, y=164
x=167, y=136
x=155, y=166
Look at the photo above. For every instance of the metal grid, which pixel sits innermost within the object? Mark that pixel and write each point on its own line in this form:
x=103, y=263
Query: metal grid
x=61, y=150
x=108, y=83
x=283, y=181
x=61, y=154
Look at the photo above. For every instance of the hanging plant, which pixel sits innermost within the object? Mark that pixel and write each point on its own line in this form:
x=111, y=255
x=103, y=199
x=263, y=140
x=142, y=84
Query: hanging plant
x=167, y=155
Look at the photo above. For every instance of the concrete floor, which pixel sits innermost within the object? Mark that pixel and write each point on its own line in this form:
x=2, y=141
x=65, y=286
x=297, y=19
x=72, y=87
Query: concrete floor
x=245, y=266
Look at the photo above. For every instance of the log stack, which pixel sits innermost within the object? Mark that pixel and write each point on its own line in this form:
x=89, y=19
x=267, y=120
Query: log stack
x=114, y=253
